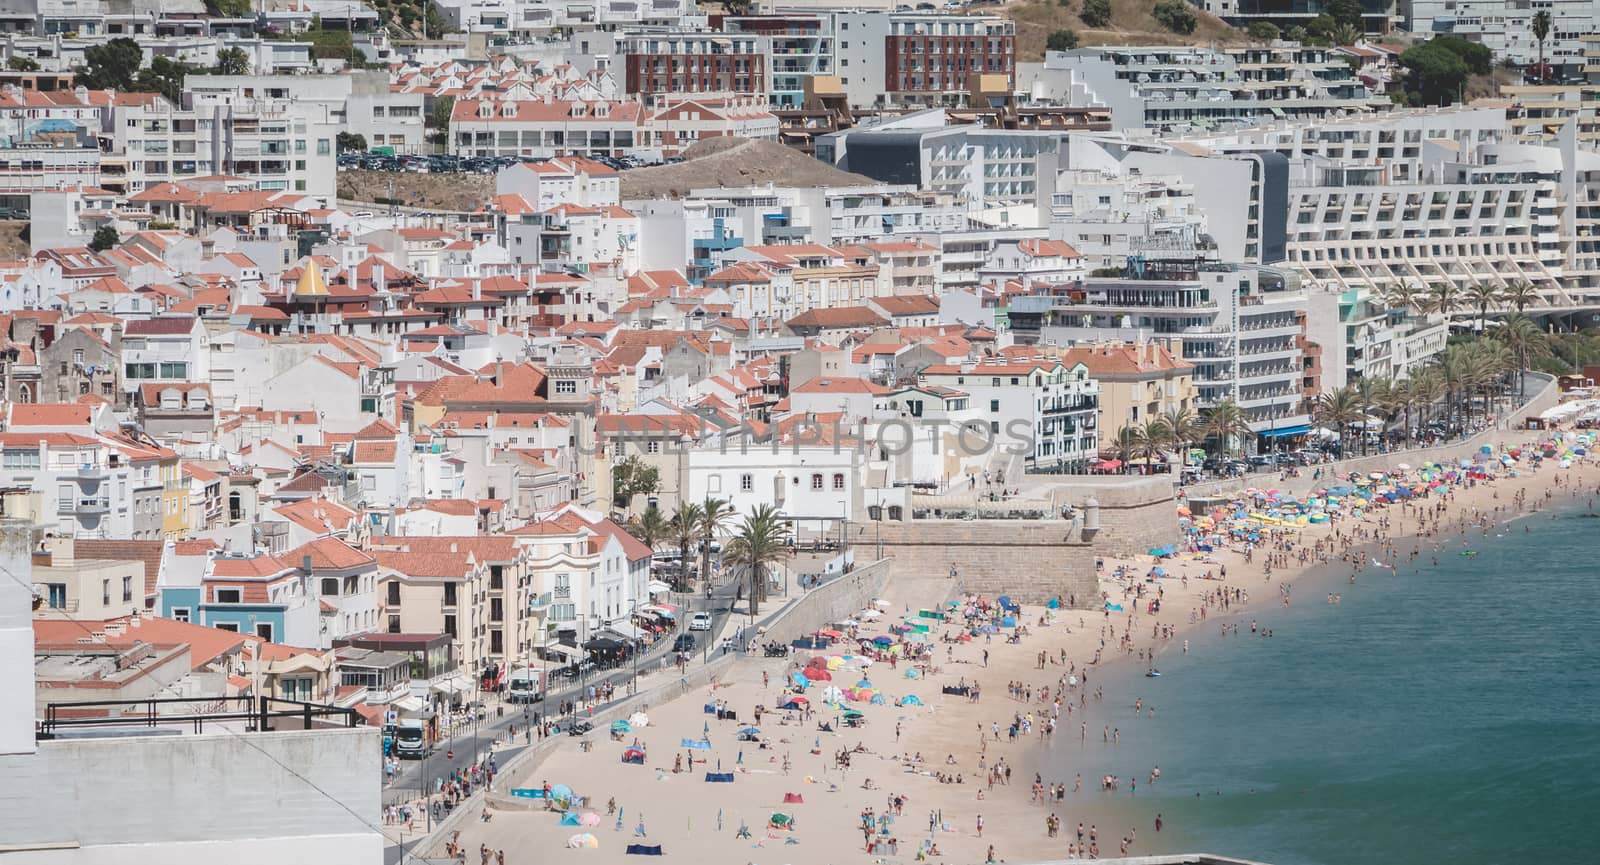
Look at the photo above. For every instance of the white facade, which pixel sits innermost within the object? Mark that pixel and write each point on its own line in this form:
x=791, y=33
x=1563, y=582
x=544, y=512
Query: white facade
x=808, y=481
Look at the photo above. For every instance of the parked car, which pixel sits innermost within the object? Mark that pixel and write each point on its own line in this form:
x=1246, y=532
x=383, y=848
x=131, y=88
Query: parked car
x=700, y=622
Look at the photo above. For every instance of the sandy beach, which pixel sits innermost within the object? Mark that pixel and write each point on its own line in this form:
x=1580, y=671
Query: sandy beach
x=901, y=751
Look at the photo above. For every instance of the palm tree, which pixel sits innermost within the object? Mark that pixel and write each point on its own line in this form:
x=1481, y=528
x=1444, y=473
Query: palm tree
x=1181, y=430
x=1526, y=342
x=1344, y=34
x=1541, y=29
x=1427, y=388
x=649, y=527
x=1224, y=422
x=1125, y=444
x=685, y=527
x=1521, y=295
x=758, y=542
x=1152, y=440
x=1483, y=295
x=1404, y=296
x=1369, y=395
x=1339, y=409
x=1400, y=398
x=714, y=513
x=1443, y=298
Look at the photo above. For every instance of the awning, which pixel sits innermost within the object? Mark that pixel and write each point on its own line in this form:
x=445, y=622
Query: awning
x=657, y=587
x=626, y=630
x=455, y=683
x=561, y=650
x=1282, y=432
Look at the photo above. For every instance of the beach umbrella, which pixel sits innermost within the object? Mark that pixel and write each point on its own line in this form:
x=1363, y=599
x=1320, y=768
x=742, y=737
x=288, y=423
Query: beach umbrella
x=913, y=673
x=639, y=719
x=584, y=841
x=750, y=731
x=799, y=680
x=863, y=684
x=1403, y=467
x=911, y=700
x=589, y=818
x=621, y=727
x=560, y=791
x=883, y=640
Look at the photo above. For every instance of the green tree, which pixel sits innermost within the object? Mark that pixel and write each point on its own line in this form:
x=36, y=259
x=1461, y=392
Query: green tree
x=1319, y=30
x=1095, y=13
x=1296, y=34
x=1434, y=73
x=438, y=120
x=1344, y=34
x=1526, y=342
x=232, y=8
x=1483, y=295
x=1061, y=40
x=1521, y=295
x=1175, y=15
x=22, y=64
x=1182, y=428
x=113, y=65
x=105, y=237
x=351, y=142
x=736, y=7
x=1263, y=31
x=632, y=477
x=434, y=24
x=1479, y=59
x=1404, y=296
x=684, y=527
x=163, y=76
x=650, y=527
x=1339, y=409
x=1225, y=422
x=1444, y=298
x=1541, y=31
x=714, y=515
x=756, y=545
x=1125, y=444
x=232, y=61
x=1345, y=12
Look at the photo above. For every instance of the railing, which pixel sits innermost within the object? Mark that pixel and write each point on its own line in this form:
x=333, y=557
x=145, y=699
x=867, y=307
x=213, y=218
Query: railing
x=147, y=713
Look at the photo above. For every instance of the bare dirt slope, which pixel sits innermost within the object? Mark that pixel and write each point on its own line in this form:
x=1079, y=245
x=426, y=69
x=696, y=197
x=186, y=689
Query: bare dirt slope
x=726, y=161
x=1132, y=23
x=462, y=192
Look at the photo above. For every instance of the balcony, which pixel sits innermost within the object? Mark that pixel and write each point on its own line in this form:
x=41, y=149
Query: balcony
x=84, y=506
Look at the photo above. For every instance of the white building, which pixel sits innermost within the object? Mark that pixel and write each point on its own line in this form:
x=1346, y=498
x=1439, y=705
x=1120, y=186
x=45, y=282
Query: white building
x=1042, y=409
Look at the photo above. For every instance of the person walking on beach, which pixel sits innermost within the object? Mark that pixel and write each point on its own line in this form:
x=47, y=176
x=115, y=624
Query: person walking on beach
x=980, y=825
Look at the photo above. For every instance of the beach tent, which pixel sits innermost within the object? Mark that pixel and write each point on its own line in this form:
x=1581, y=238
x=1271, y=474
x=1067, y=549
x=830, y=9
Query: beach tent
x=865, y=684
x=799, y=680
x=570, y=819
x=589, y=818
x=621, y=727
x=633, y=755
x=913, y=673
x=1008, y=622
x=793, y=799
x=644, y=849
x=583, y=841
x=780, y=820
x=911, y=700
x=877, y=700
x=793, y=704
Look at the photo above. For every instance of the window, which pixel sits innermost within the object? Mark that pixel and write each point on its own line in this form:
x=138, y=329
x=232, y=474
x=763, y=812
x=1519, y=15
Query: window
x=127, y=589
x=139, y=370
x=77, y=356
x=180, y=614
x=838, y=482
x=994, y=405
x=394, y=593
x=298, y=690
x=450, y=625
x=747, y=483
x=230, y=627
x=174, y=370
x=264, y=631
x=330, y=586
x=714, y=484
x=652, y=447
x=228, y=596
x=566, y=386
x=394, y=624
x=449, y=594
x=105, y=591
x=323, y=147
x=816, y=481
x=21, y=459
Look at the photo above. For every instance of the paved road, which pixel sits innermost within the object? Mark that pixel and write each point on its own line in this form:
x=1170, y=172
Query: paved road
x=464, y=745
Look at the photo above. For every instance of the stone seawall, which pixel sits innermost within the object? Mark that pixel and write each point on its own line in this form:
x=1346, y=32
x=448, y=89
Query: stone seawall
x=1034, y=560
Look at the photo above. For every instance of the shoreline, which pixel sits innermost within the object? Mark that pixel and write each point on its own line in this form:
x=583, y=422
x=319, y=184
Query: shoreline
x=702, y=821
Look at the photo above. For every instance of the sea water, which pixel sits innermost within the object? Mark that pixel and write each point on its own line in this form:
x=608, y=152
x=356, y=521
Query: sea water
x=1445, y=714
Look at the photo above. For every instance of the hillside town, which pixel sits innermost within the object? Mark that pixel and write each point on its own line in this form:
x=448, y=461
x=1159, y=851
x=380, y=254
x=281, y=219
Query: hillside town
x=387, y=362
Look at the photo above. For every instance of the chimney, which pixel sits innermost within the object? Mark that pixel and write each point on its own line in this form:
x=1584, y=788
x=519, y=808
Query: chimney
x=378, y=282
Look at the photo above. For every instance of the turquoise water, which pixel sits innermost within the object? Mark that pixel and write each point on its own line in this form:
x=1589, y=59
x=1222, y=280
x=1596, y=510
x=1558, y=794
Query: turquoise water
x=1446, y=716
